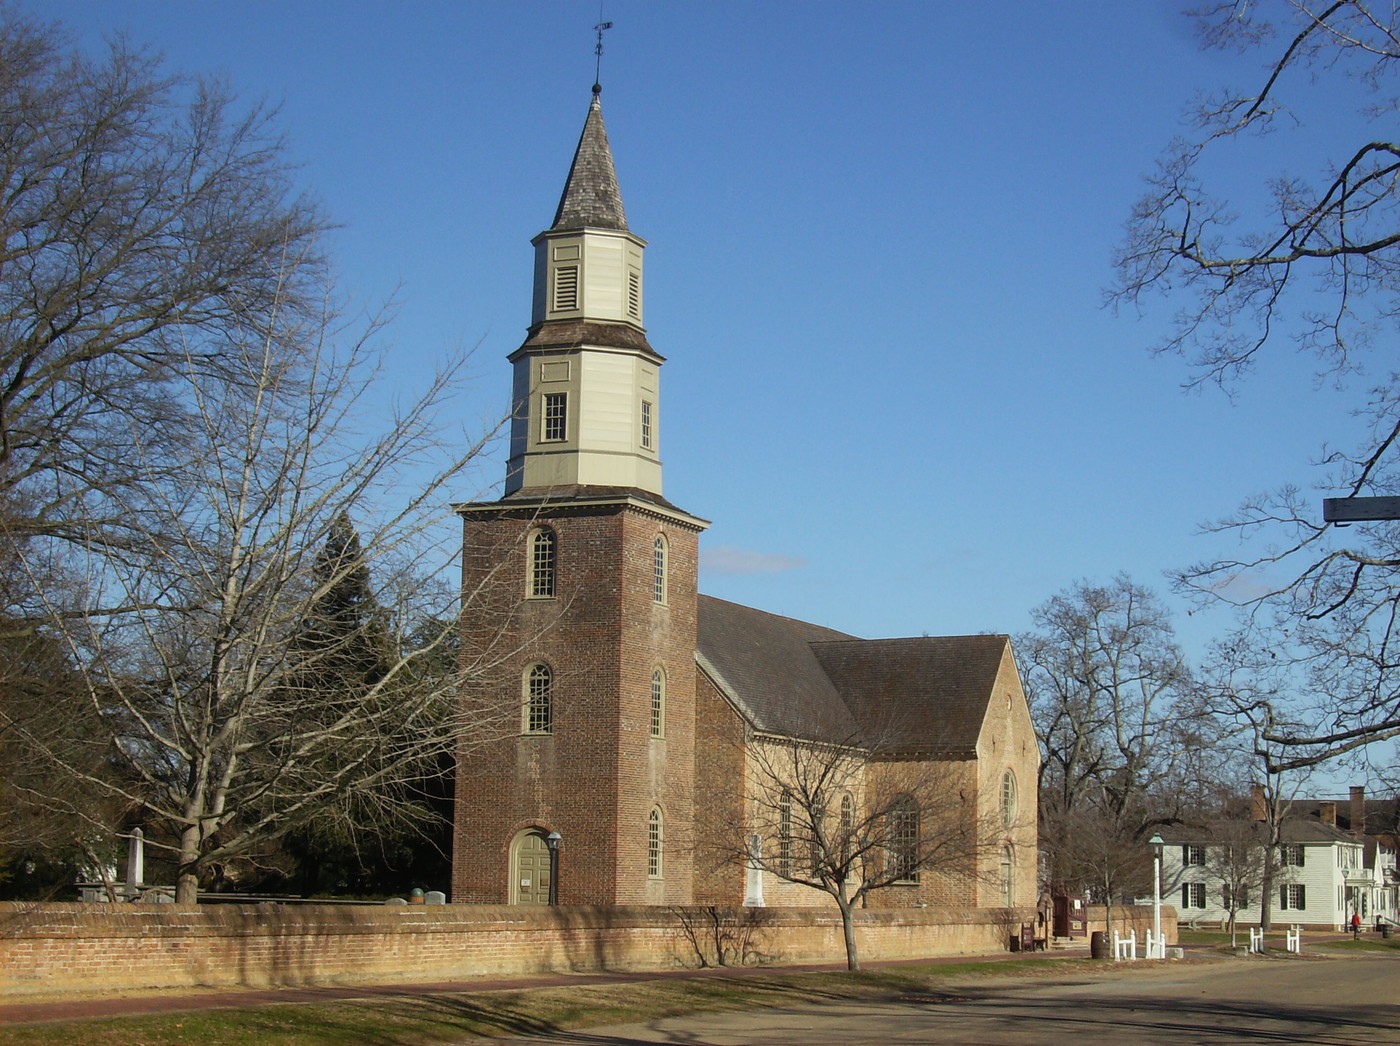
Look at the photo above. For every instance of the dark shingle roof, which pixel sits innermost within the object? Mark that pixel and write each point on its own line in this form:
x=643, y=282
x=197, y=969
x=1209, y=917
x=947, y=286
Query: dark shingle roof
x=1294, y=829
x=798, y=679
x=764, y=663
x=573, y=334
x=923, y=694
x=591, y=197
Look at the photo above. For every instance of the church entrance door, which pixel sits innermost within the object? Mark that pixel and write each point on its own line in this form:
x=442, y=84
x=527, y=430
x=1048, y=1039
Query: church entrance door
x=529, y=869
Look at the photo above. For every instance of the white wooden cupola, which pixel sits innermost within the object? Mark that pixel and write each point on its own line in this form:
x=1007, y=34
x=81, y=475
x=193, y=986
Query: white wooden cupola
x=586, y=391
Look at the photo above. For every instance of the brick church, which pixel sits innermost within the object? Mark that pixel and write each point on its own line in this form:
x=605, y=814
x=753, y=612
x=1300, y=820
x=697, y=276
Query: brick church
x=636, y=709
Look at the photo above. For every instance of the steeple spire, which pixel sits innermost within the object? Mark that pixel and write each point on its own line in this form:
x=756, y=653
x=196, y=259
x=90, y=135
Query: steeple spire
x=587, y=393
x=591, y=198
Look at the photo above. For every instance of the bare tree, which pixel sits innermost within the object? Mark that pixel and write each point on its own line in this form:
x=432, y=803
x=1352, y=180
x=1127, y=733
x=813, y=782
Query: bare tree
x=145, y=220
x=854, y=817
x=1318, y=265
x=1242, y=687
x=192, y=642
x=1114, y=706
x=1099, y=851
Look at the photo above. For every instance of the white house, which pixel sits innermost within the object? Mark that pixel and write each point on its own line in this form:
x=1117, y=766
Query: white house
x=1322, y=876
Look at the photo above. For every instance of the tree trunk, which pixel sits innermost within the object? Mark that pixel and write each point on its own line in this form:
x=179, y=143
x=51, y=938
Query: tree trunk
x=187, y=877
x=848, y=929
x=1266, y=886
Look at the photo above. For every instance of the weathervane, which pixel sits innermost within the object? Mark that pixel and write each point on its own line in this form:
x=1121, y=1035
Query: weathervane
x=598, y=51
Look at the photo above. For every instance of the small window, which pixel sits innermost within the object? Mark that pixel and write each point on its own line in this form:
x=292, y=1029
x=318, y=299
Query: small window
x=556, y=417
x=646, y=424
x=903, y=829
x=848, y=828
x=1008, y=877
x=658, y=703
x=785, y=836
x=1008, y=799
x=1193, y=895
x=1291, y=856
x=658, y=570
x=654, y=844
x=566, y=288
x=539, y=700
x=1292, y=897
x=1193, y=856
x=634, y=294
x=1239, y=894
x=543, y=547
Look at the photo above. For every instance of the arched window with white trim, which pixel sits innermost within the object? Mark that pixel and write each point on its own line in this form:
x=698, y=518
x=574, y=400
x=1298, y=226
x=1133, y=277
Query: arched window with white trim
x=658, y=570
x=654, y=840
x=1008, y=799
x=544, y=551
x=539, y=700
x=658, y=703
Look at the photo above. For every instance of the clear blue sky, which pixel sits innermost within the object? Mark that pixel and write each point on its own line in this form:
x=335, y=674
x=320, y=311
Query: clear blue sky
x=879, y=239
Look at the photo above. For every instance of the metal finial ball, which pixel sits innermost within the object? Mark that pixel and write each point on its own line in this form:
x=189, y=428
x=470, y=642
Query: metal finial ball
x=597, y=89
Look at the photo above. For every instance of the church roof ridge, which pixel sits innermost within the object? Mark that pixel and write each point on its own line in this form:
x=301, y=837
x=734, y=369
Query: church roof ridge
x=591, y=197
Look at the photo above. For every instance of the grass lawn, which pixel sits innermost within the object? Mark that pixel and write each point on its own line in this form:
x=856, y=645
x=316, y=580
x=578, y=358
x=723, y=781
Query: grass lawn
x=1369, y=942
x=451, y=1017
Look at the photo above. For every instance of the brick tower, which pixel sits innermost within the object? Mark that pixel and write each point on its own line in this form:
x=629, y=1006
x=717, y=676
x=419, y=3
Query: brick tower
x=579, y=593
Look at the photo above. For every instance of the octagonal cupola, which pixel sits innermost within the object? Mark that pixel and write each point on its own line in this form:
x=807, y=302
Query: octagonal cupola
x=586, y=390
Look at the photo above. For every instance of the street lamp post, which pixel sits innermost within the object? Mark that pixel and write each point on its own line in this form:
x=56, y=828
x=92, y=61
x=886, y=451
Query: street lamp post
x=1156, y=842
x=552, y=841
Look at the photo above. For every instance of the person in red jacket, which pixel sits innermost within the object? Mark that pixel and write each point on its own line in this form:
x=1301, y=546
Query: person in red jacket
x=1356, y=925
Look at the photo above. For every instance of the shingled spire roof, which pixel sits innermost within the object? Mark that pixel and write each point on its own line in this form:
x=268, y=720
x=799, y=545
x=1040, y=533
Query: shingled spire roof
x=591, y=197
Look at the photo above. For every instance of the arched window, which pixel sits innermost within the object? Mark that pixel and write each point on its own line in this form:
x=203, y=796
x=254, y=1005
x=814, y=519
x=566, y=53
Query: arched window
x=543, y=555
x=654, y=843
x=539, y=700
x=658, y=570
x=848, y=829
x=785, y=836
x=903, y=832
x=1008, y=877
x=1008, y=799
x=658, y=703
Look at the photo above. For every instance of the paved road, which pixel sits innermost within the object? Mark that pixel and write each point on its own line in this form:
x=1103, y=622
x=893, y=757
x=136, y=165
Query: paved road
x=1330, y=1002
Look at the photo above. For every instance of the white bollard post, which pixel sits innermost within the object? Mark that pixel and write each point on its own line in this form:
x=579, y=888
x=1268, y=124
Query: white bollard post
x=1132, y=945
x=1256, y=941
x=1293, y=939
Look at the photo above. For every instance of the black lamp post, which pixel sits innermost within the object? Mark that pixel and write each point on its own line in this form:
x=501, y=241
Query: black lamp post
x=552, y=841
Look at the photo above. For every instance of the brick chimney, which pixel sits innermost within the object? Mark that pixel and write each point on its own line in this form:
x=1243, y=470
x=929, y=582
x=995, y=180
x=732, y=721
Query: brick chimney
x=1358, y=810
x=1327, y=813
x=1258, y=803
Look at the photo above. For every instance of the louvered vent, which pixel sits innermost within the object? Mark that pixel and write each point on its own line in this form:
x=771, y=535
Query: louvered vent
x=566, y=288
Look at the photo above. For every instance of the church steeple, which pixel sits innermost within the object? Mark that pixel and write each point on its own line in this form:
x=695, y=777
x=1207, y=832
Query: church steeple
x=586, y=394
x=591, y=196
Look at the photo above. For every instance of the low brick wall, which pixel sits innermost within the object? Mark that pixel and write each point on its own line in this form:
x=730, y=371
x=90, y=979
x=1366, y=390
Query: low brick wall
x=1134, y=917
x=48, y=948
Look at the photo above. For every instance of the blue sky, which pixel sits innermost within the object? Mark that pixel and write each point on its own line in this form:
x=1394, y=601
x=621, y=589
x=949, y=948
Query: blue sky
x=879, y=240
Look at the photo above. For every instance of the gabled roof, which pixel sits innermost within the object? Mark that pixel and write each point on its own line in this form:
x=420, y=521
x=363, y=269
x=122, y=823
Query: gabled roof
x=591, y=197
x=797, y=679
x=926, y=693
x=1295, y=829
x=764, y=664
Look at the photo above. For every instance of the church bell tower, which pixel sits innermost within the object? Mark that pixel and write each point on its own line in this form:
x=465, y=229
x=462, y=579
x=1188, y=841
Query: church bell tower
x=575, y=774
